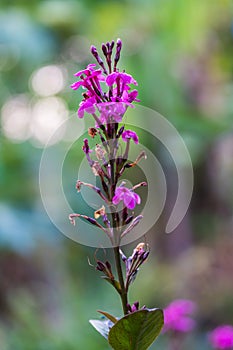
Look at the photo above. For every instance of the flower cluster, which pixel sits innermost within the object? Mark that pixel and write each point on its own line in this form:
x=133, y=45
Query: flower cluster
x=177, y=316
x=132, y=263
x=106, y=84
x=222, y=337
x=109, y=158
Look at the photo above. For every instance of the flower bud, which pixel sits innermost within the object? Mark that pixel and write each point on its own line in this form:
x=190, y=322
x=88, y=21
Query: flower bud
x=118, y=51
x=100, y=266
x=129, y=219
x=104, y=49
x=86, y=148
x=120, y=132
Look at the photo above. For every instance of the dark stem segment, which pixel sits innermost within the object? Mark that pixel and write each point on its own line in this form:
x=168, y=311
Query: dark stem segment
x=115, y=224
x=123, y=292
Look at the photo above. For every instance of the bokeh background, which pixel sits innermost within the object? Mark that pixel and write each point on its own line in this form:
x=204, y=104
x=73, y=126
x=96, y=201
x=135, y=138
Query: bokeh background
x=181, y=53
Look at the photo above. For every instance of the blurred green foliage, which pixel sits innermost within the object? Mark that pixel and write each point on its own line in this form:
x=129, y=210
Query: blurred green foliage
x=180, y=52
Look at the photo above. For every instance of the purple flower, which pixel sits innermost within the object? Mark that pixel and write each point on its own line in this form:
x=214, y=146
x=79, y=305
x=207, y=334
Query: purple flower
x=117, y=83
x=131, y=96
x=129, y=134
x=92, y=77
x=86, y=71
x=177, y=316
x=111, y=112
x=87, y=105
x=123, y=78
x=222, y=337
x=129, y=197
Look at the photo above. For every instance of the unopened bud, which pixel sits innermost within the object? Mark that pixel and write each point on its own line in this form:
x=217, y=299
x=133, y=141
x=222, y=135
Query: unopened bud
x=94, y=51
x=118, y=51
x=133, y=223
x=100, y=266
x=120, y=132
x=142, y=251
x=135, y=306
x=86, y=147
x=118, y=45
x=104, y=49
x=92, y=221
x=98, y=58
x=129, y=219
x=141, y=247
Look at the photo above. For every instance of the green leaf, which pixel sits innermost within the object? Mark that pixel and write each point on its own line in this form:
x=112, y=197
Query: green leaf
x=136, y=331
x=102, y=326
x=110, y=317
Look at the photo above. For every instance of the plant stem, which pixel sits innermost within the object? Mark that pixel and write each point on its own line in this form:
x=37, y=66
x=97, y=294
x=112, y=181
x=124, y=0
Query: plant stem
x=115, y=224
x=123, y=293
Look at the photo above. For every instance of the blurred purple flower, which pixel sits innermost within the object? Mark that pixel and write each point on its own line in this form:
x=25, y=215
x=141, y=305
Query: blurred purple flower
x=177, y=316
x=129, y=197
x=222, y=337
x=129, y=134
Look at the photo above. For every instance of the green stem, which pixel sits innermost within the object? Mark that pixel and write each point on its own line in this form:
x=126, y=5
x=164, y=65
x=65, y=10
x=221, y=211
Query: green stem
x=123, y=292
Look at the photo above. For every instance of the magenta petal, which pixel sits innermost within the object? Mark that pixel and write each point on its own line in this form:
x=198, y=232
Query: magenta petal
x=128, y=134
x=76, y=85
x=116, y=200
x=137, y=198
x=80, y=112
x=129, y=201
x=126, y=195
x=81, y=72
x=111, y=78
x=132, y=95
x=126, y=78
x=86, y=71
x=135, y=138
x=86, y=105
x=90, y=109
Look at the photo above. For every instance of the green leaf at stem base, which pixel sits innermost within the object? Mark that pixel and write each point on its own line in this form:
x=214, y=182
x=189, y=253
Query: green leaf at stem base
x=136, y=331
